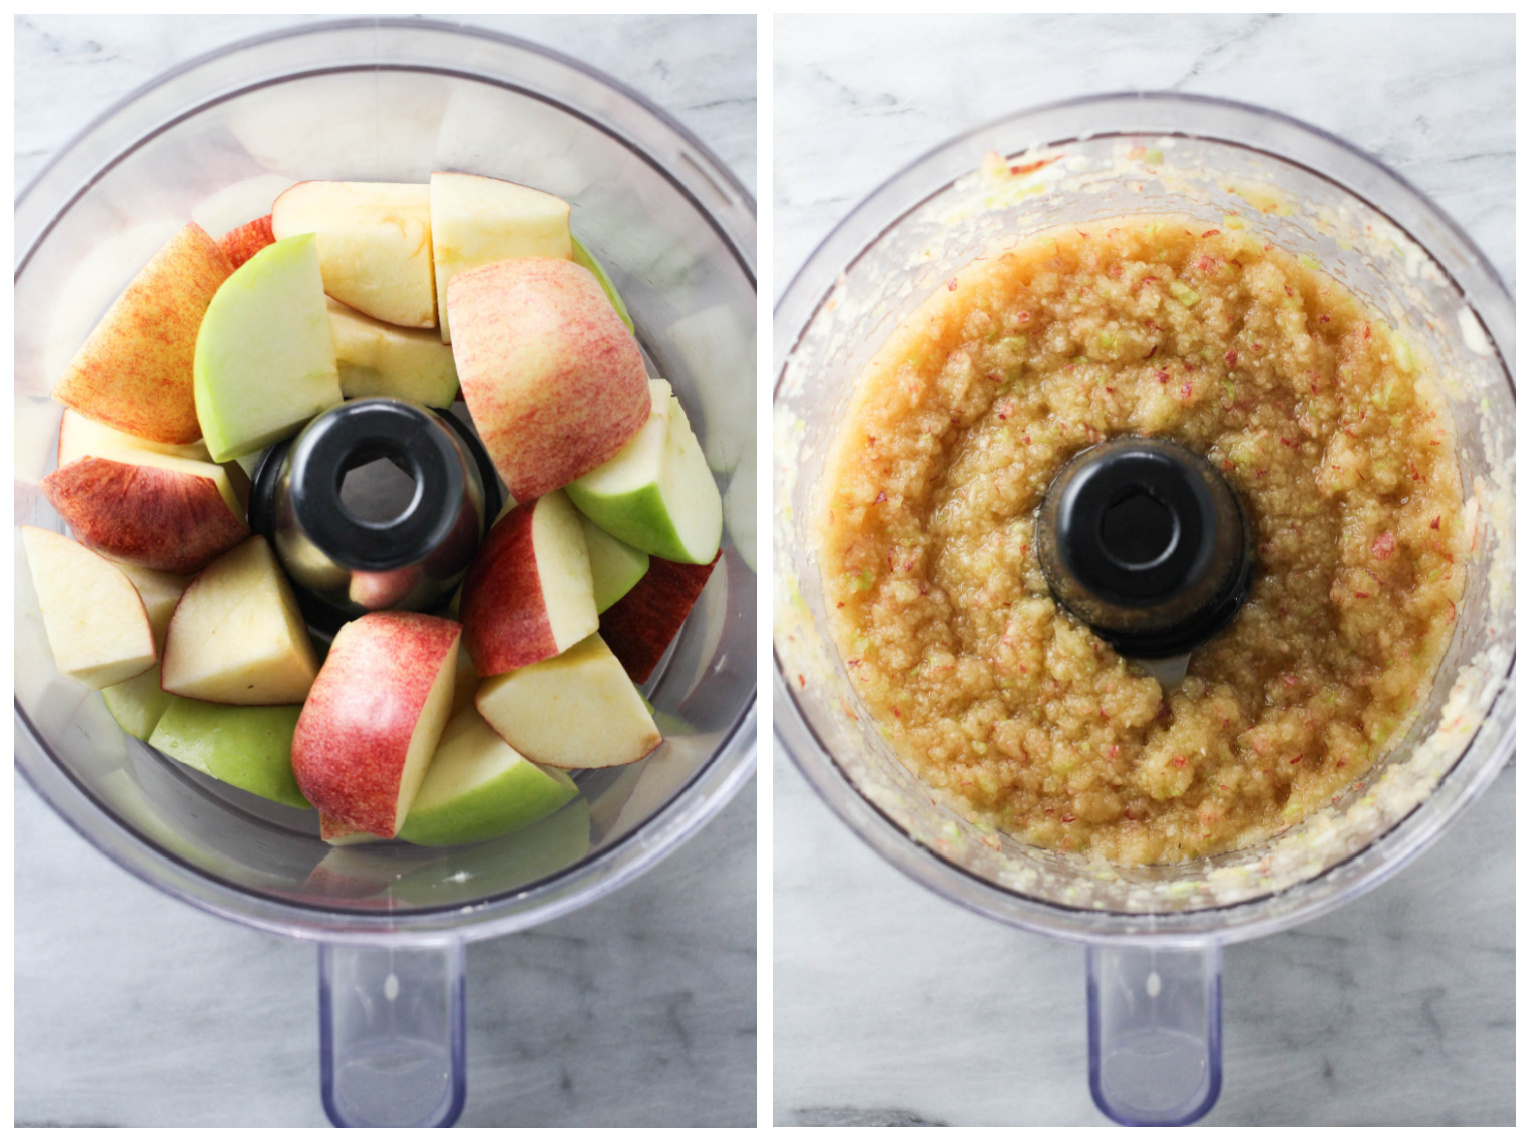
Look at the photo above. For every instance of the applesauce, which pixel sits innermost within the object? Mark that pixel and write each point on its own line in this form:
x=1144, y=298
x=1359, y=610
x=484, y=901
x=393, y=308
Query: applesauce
x=1329, y=427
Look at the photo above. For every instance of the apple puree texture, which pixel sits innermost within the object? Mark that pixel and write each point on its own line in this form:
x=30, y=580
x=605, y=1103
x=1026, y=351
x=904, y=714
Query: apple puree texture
x=1329, y=428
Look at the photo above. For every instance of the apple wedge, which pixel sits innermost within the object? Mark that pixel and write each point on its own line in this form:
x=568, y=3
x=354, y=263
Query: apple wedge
x=576, y=711
x=96, y=624
x=640, y=627
x=615, y=567
x=148, y=508
x=265, y=363
x=374, y=717
x=379, y=360
x=374, y=245
x=139, y=703
x=247, y=746
x=478, y=788
x=555, y=383
x=79, y=436
x=657, y=493
x=476, y=220
x=134, y=371
x=529, y=594
x=242, y=243
x=583, y=257
x=237, y=636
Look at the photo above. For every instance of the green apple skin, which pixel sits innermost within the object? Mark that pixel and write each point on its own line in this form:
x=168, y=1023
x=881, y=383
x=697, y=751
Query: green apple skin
x=615, y=566
x=503, y=865
x=247, y=746
x=657, y=494
x=265, y=359
x=138, y=703
x=586, y=259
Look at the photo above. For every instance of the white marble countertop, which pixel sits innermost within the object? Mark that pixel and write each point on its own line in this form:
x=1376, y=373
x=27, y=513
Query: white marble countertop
x=133, y=1010
x=892, y=1006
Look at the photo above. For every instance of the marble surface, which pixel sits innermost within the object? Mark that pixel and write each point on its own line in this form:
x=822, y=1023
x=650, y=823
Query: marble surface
x=133, y=1010
x=892, y=1006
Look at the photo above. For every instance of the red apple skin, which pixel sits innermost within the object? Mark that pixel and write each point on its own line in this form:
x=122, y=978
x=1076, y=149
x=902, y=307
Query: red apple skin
x=554, y=381
x=503, y=611
x=640, y=625
x=153, y=517
x=242, y=243
x=352, y=738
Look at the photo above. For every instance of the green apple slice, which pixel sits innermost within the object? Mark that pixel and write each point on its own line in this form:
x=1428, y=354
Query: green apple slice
x=657, y=493
x=615, y=566
x=265, y=361
x=380, y=360
x=247, y=746
x=478, y=788
x=138, y=704
x=586, y=259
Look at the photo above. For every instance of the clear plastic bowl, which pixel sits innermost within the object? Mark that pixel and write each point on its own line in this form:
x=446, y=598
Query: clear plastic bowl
x=214, y=141
x=1154, y=933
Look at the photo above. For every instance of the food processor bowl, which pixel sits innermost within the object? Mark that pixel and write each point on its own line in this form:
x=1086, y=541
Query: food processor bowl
x=1154, y=933
x=215, y=141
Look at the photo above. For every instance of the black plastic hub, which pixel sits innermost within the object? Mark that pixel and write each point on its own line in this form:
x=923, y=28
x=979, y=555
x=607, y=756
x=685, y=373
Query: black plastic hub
x=1143, y=540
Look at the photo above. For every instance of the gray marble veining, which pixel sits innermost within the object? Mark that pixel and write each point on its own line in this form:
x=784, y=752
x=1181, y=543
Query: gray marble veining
x=134, y=1010
x=894, y=1007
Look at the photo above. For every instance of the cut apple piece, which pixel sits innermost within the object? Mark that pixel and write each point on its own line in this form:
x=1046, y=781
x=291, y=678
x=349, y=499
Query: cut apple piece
x=583, y=257
x=247, y=746
x=97, y=626
x=576, y=711
x=79, y=436
x=640, y=627
x=374, y=717
x=615, y=567
x=476, y=220
x=159, y=591
x=134, y=372
x=657, y=493
x=378, y=360
x=478, y=788
x=137, y=704
x=374, y=245
x=265, y=363
x=338, y=833
x=529, y=594
x=237, y=636
x=466, y=685
x=242, y=243
x=555, y=383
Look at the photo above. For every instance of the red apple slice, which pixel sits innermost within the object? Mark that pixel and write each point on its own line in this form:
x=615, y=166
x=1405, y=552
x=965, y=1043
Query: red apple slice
x=641, y=624
x=242, y=243
x=529, y=594
x=576, y=711
x=373, y=719
x=96, y=624
x=134, y=371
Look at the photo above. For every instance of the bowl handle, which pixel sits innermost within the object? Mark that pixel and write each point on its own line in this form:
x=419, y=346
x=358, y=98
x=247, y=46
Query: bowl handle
x=392, y=1040
x=1155, y=1032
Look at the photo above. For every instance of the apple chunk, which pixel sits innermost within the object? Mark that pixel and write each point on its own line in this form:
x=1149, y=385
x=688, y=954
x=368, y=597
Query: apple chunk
x=478, y=788
x=554, y=381
x=139, y=703
x=374, y=245
x=243, y=242
x=237, y=636
x=640, y=627
x=265, y=363
x=371, y=723
x=529, y=593
x=79, y=436
x=96, y=624
x=247, y=746
x=134, y=372
x=476, y=220
x=379, y=360
x=615, y=566
x=576, y=711
x=657, y=493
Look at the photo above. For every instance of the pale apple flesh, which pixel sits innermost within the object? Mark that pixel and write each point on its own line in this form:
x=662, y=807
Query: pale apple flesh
x=374, y=717
x=265, y=361
x=379, y=360
x=615, y=567
x=576, y=711
x=237, y=636
x=374, y=245
x=476, y=220
x=249, y=747
x=242, y=243
x=96, y=624
x=79, y=436
x=554, y=382
x=135, y=370
x=138, y=703
x=640, y=627
x=478, y=788
x=529, y=593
